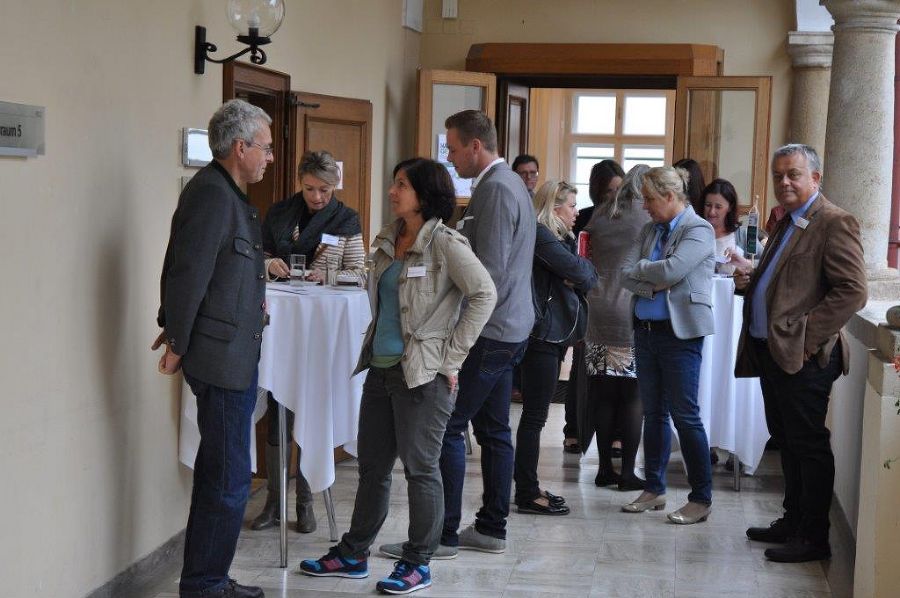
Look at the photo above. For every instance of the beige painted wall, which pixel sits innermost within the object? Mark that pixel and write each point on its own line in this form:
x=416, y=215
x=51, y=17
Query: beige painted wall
x=753, y=34
x=88, y=434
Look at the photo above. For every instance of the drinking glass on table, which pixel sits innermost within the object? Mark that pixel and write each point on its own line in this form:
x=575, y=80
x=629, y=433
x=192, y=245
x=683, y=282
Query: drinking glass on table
x=298, y=268
x=331, y=270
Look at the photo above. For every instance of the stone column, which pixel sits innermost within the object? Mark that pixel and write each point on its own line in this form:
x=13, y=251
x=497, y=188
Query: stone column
x=859, y=140
x=811, y=58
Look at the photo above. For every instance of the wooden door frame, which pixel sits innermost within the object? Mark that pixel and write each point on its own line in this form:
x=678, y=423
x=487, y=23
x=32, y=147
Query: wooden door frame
x=360, y=114
x=256, y=79
x=759, y=175
x=565, y=60
x=506, y=91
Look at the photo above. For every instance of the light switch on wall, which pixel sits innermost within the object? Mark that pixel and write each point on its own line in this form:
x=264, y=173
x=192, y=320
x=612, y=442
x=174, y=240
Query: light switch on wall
x=450, y=9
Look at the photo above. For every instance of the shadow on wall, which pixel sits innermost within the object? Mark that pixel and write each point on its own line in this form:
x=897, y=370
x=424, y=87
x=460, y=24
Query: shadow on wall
x=114, y=367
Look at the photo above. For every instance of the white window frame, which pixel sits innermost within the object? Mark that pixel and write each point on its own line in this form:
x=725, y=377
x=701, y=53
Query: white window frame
x=618, y=140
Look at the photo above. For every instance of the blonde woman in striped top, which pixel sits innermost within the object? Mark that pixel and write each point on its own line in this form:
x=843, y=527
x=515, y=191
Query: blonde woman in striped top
x=314, y=223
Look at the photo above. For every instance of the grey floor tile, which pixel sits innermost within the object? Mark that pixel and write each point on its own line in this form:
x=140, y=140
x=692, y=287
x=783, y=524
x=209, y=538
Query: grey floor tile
x=596, y=551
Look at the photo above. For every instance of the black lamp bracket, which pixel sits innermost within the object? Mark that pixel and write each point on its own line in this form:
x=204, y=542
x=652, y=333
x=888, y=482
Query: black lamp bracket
x=202, y=48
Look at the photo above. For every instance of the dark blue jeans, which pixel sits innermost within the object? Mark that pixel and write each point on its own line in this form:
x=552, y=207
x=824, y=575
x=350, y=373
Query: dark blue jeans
x=668, y=374
x=221, y=485
x=485, y=381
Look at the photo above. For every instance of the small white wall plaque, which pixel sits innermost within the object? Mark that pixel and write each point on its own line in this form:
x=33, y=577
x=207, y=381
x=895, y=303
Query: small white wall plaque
x=21, y=130
x=195, y=147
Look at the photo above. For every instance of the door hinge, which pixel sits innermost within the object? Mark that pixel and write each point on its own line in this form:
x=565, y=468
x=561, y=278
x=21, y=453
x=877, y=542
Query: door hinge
x=295, y=101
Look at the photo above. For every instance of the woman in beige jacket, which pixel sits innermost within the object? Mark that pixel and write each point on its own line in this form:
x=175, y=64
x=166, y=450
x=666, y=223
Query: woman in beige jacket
x=419, y=336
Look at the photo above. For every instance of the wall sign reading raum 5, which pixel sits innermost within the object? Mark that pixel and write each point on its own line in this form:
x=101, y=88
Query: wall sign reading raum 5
x=21, y=130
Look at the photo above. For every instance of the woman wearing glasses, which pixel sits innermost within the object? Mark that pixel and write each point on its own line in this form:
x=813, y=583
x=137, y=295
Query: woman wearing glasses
x=315, y=224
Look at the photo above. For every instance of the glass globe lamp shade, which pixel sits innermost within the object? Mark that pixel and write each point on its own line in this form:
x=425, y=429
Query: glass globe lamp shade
x=265, y=15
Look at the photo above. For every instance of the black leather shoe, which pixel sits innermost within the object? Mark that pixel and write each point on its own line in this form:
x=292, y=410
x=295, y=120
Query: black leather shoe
x=799, y=550
x=778, y=532
x=232, y=590
x=606, y=478
x=553, y=499
x=570, y=445
x=533, y=508
x=632, y=483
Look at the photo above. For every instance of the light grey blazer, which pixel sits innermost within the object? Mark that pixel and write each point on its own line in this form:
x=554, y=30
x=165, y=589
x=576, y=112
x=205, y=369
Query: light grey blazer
x=684, y=273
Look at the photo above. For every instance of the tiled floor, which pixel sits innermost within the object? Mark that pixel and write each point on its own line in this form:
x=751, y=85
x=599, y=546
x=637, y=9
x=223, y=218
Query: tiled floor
x=596, y=551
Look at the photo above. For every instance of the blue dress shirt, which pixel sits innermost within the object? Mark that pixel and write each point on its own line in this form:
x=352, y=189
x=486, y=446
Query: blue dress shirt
x=658, y=307
x=759, y=319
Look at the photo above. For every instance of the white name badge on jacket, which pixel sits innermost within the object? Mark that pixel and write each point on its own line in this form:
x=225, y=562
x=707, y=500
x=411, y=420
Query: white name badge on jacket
x=415, y=272
x=332, y=240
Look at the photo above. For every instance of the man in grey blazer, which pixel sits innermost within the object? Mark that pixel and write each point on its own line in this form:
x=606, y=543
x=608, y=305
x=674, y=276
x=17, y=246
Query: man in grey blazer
x=212, y=315
x=501, y=225
x=670, y=273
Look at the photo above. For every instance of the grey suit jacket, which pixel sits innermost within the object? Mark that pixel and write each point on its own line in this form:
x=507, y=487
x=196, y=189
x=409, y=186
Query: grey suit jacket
x=500, y=225
x=685, y=272
x=212, y=284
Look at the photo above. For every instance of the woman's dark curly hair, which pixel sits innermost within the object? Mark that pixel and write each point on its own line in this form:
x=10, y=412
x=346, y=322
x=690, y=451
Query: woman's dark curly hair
x=433, y=186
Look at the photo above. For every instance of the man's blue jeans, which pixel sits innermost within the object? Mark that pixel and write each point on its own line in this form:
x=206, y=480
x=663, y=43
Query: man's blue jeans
x=485, y=382
x=668, y=375
x=221, y=485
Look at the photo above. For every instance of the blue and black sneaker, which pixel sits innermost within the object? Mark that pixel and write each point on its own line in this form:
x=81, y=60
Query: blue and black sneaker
x=334, y=565
x=405, y=579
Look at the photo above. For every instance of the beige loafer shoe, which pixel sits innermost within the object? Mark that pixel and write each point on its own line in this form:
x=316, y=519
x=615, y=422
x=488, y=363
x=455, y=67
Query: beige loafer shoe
x=645, y=502
x=693, y=512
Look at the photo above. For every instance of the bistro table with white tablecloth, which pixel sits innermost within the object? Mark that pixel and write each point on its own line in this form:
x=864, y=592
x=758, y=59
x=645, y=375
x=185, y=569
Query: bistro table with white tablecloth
x=309, y=352
x=731, y=408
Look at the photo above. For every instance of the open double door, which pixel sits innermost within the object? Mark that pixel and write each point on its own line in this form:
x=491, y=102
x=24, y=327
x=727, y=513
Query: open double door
x=721, y=122
x=303, y=122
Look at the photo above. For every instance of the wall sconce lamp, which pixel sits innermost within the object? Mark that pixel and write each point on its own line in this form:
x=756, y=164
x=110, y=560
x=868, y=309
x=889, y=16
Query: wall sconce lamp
x=254, y=20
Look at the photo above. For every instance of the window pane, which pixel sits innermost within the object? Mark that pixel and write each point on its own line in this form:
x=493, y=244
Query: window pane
x=645, y=115
x=595, y=114
x=585, y=158
x=651, y=155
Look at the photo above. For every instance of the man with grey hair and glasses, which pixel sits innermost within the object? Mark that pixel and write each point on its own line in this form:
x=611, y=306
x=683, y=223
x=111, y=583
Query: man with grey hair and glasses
x=810, y=280
x=212, y=314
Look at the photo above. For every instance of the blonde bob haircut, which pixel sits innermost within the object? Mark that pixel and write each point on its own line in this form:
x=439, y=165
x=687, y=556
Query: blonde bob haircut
x=321, y=165
x=550, y=195
x=667, y=179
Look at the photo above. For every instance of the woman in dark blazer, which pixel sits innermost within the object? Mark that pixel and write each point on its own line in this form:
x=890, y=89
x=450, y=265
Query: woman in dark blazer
x=559, y=275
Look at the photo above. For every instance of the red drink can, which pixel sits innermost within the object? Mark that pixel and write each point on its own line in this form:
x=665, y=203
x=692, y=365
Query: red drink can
x=584, y=243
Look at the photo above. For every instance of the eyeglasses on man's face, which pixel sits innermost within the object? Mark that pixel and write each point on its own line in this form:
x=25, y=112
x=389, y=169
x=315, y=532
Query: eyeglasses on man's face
x=528, y=174
x=268, y=149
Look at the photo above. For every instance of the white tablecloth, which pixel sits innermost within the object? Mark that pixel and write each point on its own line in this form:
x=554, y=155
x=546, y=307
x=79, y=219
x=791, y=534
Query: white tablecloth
x=309, y=352
x=732, y=409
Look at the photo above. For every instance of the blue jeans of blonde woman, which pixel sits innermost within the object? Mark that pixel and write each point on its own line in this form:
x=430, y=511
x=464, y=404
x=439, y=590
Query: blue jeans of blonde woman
x=668, y=374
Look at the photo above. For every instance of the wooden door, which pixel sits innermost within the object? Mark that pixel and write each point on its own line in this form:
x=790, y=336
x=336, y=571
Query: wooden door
x=512, y=119
x=269, y=90
x=442, y=94
x=343, y=127
x=723, y=124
